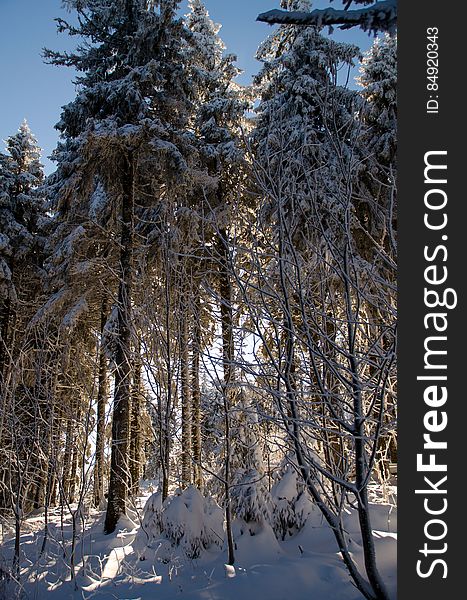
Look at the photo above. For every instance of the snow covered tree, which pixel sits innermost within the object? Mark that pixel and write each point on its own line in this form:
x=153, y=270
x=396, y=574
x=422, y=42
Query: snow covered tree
x=299, y=97
x=21, y=206
x=125, y=132
x=21, y=212
x=379, y=82
x=291, y=502
x=192, y=522
x=187, y=520
x=221, y=105
x=250, y=496
x=22, y=431
x=217, y=278
x=377, y=208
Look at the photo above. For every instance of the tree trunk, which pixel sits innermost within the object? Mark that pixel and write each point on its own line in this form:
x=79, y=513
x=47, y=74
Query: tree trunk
x=119, y=467
x=228, y=355
x=67, y=456
x=5, y=311
x=196, y=393
x=76, y=458
x=185, y=398
x=42, y=466
x=135, y=427
x=53, y=461
x=17, y=554
x=165, y=412
x=361, y=458
x=102, y=395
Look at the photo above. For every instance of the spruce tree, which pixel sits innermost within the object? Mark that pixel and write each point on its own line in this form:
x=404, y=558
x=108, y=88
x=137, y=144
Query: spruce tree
x=21, y=210
x=378, y=78
x=124, y=138
x=21, y=207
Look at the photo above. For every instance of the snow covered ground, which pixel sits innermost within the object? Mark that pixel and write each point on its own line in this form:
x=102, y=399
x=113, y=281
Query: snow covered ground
x=130, y=566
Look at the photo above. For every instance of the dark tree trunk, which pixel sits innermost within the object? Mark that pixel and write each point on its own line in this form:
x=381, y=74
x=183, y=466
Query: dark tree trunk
x=135, y=427
x=5, y=312
x=228, y=355
x=77, y=457
x=102, y=396
x=119, y=462
x=164, y=447
x=67, y=458
x=166, y=463
x=165, y=412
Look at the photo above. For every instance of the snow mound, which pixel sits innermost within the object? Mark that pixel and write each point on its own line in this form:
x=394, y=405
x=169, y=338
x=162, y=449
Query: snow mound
x=291, y=505
x=186, y=520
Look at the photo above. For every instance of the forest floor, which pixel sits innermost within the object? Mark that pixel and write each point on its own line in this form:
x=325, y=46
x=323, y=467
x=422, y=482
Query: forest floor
x=304, y=566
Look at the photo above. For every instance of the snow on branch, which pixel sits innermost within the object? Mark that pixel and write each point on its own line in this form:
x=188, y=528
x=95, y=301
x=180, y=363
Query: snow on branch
x=381, y=16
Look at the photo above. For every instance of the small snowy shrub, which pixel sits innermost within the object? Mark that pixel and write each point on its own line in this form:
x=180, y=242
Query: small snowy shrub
x=151, y=525
x=250, y=498
x=291, y=505
x=193, y=522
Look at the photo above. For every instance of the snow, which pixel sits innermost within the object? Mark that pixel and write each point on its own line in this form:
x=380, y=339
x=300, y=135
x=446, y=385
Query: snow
x=75, y=313
x=291, y=504
x=230, y=571
x=98, y=201
x=113, y=567
x=187, y=520
x=381, y=15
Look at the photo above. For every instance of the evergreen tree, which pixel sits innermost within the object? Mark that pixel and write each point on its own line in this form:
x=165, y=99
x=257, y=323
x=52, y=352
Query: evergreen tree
x=251, y=500
x=21, y=210
x=21, y=207
x=124, y=140
x=379, y=82
x=299, y=93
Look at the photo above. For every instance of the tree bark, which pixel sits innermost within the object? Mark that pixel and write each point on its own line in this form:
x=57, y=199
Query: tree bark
x=67, y=456
x=5, y=312
x=165, y=412
x=102, y=395
x=135, y=427
x=77, y=457
x=228, y=355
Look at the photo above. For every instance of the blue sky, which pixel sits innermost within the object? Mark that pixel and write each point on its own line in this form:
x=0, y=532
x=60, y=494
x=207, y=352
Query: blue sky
x=35, y=91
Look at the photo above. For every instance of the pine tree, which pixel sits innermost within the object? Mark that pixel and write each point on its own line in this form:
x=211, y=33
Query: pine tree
x=125, y=132
x=21, y=210
x=379, y=82
x=21, y=174
x=377, y=209
x=299, y=93
x=251, y=500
